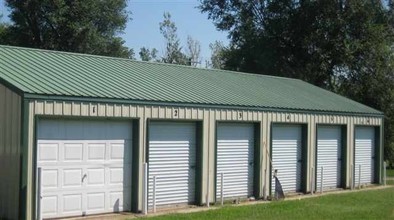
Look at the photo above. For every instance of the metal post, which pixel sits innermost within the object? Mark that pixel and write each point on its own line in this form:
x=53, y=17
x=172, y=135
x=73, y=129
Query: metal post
x=351, y=177
x=221, y=189
x=359, y=177
x=145, y=189
x=154, y=194
x=276, y=196
x=265, y=185
x=208, y=190
x=312, y=181
x=321, y=181
x=385, y=173
x=39, y=191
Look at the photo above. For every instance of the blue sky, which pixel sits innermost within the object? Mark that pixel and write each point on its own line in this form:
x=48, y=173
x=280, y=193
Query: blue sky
x=143, y=29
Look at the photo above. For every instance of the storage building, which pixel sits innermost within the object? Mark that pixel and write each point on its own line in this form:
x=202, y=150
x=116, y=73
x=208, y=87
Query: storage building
x=76, y=130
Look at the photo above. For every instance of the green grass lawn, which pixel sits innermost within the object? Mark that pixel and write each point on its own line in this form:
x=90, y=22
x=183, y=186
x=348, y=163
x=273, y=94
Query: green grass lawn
x=373, y=204
x=390, y=173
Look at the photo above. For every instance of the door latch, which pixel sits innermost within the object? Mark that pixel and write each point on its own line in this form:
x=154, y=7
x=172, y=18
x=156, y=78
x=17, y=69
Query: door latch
x=84, y=176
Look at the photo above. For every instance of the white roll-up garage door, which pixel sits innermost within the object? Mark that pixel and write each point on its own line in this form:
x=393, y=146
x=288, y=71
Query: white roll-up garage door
x=86, y=167
x=287, y=157
x=172, y=159
x=235, y=157
x=329, y=151
x=364, y=155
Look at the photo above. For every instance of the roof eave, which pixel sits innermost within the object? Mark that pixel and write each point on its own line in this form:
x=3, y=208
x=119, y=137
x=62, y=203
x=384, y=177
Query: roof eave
x=185, y=104
x=12, y=87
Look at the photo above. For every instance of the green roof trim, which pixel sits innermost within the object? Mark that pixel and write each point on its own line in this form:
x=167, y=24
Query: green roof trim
x=46, y=73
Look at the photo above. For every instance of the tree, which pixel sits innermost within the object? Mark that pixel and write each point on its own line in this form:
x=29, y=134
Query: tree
x=84, y=26
x=3, y=31
x=341, y=45
x=193, y=51
x=278, y=37
x=173, y=51
x=217, y=54
x=148, y=55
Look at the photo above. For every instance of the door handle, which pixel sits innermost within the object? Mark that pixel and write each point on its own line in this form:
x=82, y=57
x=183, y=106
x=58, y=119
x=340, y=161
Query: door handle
x=84, y=176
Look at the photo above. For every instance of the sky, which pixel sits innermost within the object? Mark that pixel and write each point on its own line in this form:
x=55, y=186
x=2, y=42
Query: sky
x=143, y=28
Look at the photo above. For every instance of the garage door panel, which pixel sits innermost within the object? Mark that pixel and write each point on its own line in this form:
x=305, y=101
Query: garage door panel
x=73, y=151
x=95, y=202
x=117, y=199
x=49, y=178
x=364, y=155
x=287, y=157
x=48, y=152
x=235, y=159
x=117, y=151
x=96, y=151
x=329, y=150
x=72, y=203
x=172, y=159
x=167, y=200
x=95, y=170
x=116, y=175
x=72, y=177
x=49, y=205
x=96, y=176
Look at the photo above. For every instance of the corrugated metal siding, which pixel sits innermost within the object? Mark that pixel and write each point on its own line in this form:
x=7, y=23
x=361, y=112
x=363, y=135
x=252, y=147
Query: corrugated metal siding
x=235, y=160
x=79, y=75
x=208, y=117
x=10, y=148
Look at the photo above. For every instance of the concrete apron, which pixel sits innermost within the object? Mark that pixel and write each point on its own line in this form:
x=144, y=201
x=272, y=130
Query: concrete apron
x=128, y=215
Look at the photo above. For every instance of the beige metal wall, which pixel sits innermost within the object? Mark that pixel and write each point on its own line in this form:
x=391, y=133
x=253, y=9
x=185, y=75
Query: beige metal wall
x=209, y=116
x=10, y=142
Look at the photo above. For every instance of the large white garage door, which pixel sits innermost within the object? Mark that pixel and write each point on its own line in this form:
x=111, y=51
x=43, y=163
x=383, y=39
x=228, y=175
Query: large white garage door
x=86, y=167
x=286, y=156
x=329, y=156
x=235, y=157
x=172, y=159
x=364, y=155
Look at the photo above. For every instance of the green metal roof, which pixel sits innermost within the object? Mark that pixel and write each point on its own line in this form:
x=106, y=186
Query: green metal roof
x=53, y=73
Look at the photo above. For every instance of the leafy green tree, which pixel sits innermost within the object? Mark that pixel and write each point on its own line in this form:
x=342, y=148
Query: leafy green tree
x=3, y=31
x=173, y=51
x=148, y=55
x=193, y=51
x=85, y=26
x=345, y=46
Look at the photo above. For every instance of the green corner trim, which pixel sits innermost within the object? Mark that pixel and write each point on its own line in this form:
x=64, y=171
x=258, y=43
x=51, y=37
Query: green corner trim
x=304, y=155
x=199, y=162
x=24, y=159
x=257, y=162
x=344, y=160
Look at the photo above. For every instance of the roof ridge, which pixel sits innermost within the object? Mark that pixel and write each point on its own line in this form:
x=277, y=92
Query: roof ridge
x=146, y=62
